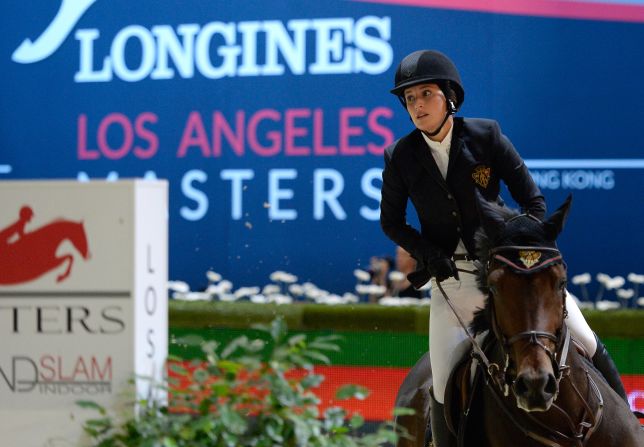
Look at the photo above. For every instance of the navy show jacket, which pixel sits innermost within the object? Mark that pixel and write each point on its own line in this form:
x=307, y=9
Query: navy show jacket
x=480, y=157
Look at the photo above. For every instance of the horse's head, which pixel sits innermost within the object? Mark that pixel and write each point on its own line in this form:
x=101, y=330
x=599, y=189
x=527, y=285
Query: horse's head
x=525, y=278
x=78, y=237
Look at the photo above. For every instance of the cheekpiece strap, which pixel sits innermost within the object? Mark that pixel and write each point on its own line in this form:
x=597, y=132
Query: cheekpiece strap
x=526, y=259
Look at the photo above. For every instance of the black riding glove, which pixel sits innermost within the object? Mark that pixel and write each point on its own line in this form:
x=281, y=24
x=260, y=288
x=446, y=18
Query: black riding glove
x=442, y=268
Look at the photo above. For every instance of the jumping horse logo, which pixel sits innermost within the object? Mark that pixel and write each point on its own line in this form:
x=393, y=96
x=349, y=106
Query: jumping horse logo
x=25, y=256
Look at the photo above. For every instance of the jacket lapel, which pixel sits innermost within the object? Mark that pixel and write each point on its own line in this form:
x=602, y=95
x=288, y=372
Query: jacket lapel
x=456, y=147
x=424, y=155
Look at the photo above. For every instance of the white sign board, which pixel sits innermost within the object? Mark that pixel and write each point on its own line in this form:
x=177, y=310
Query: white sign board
x=83, y=301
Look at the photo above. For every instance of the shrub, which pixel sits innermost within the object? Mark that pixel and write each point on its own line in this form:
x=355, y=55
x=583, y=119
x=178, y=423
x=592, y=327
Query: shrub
x=246, y=393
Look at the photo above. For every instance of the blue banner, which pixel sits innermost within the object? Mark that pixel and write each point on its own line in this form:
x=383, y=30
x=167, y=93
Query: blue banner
x=269, y=119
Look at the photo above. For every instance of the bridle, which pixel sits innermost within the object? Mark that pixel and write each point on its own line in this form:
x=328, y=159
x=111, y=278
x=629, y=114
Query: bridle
x=561, y=338
x=499, y=380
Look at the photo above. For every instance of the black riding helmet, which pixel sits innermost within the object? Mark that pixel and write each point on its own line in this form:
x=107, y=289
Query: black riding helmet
x=428, y=66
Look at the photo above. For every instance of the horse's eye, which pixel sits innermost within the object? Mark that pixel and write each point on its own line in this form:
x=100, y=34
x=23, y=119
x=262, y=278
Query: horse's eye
x=562, y=284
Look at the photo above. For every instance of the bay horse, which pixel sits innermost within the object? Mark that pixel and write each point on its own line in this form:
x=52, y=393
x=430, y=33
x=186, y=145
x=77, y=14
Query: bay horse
x=535, y=385
x=35, y=252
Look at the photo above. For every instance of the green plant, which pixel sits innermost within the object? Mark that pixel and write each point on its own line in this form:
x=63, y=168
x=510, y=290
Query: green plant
x=246, y=393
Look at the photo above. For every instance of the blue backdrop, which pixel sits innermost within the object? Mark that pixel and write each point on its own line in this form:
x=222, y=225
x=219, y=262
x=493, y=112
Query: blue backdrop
x=269, y=118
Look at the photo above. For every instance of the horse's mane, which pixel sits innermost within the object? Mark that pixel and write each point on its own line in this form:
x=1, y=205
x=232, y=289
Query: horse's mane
x=481, y=321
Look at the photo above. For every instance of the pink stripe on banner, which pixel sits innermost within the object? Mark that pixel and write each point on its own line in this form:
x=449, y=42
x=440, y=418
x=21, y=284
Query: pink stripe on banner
x=543, y=8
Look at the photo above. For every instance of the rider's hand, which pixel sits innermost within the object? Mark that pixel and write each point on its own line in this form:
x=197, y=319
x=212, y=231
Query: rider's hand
x=442, y=268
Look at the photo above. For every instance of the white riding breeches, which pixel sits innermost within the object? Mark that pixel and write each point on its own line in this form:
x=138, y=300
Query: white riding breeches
x=445, y=332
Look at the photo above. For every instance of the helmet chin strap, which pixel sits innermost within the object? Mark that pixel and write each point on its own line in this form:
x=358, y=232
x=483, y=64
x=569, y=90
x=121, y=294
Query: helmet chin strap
x=434, y=133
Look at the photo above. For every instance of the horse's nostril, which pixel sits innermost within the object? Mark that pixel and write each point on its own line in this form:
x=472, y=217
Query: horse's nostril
x=551, y=385
x=520, y=386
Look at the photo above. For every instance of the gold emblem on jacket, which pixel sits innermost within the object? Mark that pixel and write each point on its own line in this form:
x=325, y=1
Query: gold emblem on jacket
x=481, y=175
x=529, y=257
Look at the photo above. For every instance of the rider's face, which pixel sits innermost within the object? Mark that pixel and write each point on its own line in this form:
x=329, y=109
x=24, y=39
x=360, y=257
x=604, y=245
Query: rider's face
x=426, y=106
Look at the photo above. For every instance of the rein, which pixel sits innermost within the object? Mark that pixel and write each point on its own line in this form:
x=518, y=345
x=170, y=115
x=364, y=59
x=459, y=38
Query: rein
x=531, y=258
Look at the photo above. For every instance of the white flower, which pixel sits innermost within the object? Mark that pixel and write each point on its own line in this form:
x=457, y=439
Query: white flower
x=640, y=301
x=370, y=289
x=350, y=297
x=179, y=286
x=282, y=299
x=275, y=276
x=280, y=276
x=270, y=289
x=625, y=293
x=227, y=297
x=213, y=276
x=246, y=291
x=603, y=278
x=296, y=289
x=214, y=289
x=333, y=299
x=192, y=296
x=259, y=299
x=615, y=283
x=226, y=285
x=389, y=301
x=396, y=276
x=309, y=286
x=315, y=294
x=289, y=278
x=362, y=275
x=582, y=279
x=635, y=278
x=607, y=305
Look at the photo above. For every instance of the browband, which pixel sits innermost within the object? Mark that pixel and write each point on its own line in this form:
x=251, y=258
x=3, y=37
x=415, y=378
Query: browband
x=522, y=259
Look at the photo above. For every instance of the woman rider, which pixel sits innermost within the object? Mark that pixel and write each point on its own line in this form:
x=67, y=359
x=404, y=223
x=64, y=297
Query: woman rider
x=438, y=166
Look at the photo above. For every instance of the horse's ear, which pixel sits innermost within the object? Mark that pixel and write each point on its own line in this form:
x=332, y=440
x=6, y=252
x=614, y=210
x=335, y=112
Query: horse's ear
x=492, y=222
x=555, y=223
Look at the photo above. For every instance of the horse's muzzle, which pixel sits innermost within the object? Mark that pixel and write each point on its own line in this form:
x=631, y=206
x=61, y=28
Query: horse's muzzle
x=535, y=390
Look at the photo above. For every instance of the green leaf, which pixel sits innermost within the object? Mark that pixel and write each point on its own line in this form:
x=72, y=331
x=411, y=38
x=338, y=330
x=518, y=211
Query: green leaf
x=234, y=422
x=297, y=339
x=178, y=369
x=403, y=411
x=256, y=345
x=89, y=404
x=200, y=375
x=169, y=442
x=220, y=389
x=190, y=340
x=356, y=421
x=312, y=380
x=228, y=366
x=334, y=417
x=327, y=338
x=187, y=433
x=324, y=346
x=174, y=358
x=318, y=356
x=233, y=345
x=274, y=429
x=352, y=391
x=278, y=329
